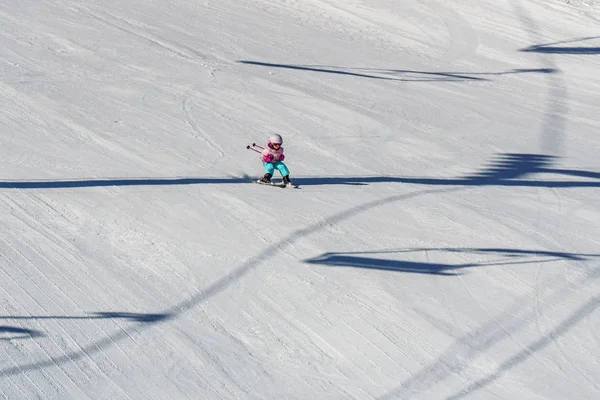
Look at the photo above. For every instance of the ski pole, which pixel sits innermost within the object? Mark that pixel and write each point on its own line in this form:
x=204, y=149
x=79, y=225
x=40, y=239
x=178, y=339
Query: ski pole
x=253, y=149
x=255, y=145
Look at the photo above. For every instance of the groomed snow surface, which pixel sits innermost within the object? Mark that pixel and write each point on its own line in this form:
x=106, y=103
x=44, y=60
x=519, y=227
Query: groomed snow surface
x=444, y=242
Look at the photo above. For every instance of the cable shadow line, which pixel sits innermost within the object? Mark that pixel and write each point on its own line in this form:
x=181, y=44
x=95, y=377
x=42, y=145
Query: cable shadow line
x=83, y=352
x=391, y=74
x=505, y=169
x=455, y=359
x=538, y=345
x=270, y=251
x=510, y=169
x=314, y=69
x=522, y=252
x=213, y=289
x=137, y=317
x=316, y=181
x=359, y=181
x=83, y=183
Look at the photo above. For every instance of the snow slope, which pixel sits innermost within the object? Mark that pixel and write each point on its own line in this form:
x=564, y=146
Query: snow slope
x=444, y=243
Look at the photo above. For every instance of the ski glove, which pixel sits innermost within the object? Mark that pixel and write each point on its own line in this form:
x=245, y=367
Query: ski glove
x=281, y=157
x=268, y=158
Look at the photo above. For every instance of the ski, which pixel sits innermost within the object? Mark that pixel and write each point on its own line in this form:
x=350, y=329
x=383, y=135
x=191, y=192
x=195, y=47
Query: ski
x=279, y=185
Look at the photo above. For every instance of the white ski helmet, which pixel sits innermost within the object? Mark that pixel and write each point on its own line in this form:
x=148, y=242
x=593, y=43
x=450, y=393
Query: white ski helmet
x=276, y=139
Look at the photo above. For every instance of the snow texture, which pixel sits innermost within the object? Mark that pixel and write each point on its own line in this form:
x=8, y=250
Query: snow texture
x=445, y=243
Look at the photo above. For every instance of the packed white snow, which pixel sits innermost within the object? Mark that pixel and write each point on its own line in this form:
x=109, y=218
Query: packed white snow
x=444, y=242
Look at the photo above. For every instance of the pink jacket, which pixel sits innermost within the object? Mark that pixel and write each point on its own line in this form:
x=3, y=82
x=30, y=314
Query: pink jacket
x=277, y=154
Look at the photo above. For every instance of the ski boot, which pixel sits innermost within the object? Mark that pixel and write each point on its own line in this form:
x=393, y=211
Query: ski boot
x=266, y=179
x=287, y=182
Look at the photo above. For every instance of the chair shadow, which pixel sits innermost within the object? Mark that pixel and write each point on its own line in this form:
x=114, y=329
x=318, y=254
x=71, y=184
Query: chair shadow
x=507, y=257
x=11, y=333
x=349, y=261
x=135, y=317
x=552, y=48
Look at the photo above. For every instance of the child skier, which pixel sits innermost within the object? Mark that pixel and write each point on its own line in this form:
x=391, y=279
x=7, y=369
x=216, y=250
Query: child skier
x=272, y=158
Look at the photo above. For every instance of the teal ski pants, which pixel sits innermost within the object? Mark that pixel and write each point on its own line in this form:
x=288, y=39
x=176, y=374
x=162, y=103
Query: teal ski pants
x=270, y=168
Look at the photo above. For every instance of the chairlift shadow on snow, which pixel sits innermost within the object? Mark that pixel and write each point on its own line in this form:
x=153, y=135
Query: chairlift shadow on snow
x=11, y=333
x=373, y=259
x=84, y=183
x=351, y=261
x=403, y=75
x=557, y=48
x=511, y=169
x=135, y=317
x=85, y=351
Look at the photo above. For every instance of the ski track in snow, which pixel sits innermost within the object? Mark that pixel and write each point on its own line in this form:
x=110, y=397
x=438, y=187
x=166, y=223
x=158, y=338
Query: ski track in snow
x=385, y=276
